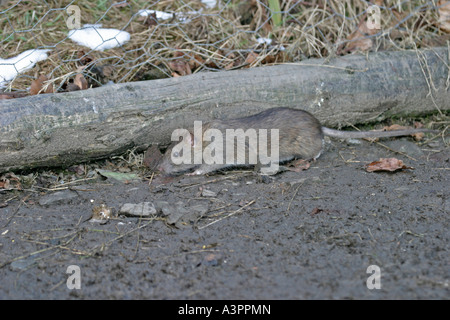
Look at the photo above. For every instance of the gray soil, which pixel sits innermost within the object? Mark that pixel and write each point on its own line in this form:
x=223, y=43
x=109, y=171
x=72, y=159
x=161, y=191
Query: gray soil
x=237, y=235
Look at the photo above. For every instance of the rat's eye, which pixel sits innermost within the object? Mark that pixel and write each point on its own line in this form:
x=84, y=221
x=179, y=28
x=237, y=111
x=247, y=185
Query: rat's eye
x=177, y=154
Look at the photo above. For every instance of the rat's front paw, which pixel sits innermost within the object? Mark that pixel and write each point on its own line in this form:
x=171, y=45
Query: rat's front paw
x=195, y=173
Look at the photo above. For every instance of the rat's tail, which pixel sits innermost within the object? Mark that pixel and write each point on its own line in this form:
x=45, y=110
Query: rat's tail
x=371, y=134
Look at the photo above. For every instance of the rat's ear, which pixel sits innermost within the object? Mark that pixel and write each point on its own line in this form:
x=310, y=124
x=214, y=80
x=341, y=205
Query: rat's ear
x=190, y=139
x=193, y=140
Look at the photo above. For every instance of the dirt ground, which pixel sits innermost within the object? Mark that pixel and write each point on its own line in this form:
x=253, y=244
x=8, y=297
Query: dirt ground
x=238, y=235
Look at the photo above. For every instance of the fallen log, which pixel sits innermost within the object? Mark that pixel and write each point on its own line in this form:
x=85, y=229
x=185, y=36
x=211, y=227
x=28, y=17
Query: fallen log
x=68, y=128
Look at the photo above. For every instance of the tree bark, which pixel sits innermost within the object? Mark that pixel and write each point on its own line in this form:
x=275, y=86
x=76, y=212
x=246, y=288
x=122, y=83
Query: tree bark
x=68, y=128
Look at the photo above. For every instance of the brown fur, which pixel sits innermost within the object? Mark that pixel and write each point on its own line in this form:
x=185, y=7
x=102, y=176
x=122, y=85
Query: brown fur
x=300, y=136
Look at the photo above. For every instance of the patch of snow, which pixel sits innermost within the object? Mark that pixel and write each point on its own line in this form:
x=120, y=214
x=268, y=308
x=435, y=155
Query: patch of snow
x=96, y=38
x=9, y=68
x=264, y=41
x=209, y=3
x=160, y=15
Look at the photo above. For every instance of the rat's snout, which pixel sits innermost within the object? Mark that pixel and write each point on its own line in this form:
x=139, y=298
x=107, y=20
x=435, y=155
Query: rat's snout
x=160, y=168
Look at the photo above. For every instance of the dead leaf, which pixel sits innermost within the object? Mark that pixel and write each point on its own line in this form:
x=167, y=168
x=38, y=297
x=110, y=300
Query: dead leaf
x=196, y=62
x=119, y=176
x=212, y=259
x=232, y=58
x=444, y=15
x=10, y=181
x=101, y=214
x=48, y=88
x=72, y=87
x=83, y=58
x=4, y=184
x=417, y=136
x=37, y=86
x=386, y=164
x=180, y=65
x=418, y=125
x=298, y=165
x=359, y=39
x=251, y=58
x=101, y=73
x=11, y=95
x=229, y=66
x=80, y=81
x=150, y=20
x=394, y=127
x=399, y=16
x=270, y=58
x=79, y=170
x=108, y=71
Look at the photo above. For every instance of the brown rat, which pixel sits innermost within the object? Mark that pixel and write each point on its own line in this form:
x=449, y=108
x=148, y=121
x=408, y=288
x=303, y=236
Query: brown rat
x=300, y=135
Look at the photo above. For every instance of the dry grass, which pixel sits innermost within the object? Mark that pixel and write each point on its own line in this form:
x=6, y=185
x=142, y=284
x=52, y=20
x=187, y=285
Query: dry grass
x=216, y=39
